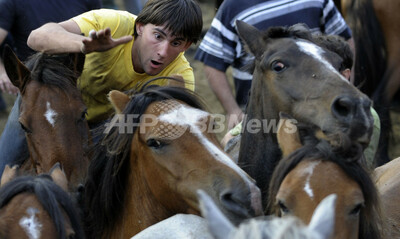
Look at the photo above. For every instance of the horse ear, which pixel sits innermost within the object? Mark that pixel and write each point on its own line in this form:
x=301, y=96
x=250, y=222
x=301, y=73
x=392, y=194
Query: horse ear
x=9, y=174
x=288, y=135
x=119, y=100
x=251, y=36
x=179, y=82
x=16, y=70
x=59, y=177
x=323, y=218
x=218, y=225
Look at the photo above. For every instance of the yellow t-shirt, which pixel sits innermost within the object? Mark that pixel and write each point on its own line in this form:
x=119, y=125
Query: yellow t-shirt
x=113, y=69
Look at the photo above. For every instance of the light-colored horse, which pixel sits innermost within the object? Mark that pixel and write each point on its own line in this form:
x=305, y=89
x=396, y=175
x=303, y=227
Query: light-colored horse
x=387, y=179
x=320, y=227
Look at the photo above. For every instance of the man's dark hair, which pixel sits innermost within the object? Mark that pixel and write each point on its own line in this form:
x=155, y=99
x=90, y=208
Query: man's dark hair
x=182, y=17
x=338, y=45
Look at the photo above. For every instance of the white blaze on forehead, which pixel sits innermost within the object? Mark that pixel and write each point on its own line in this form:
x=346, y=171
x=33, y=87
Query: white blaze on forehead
x=50, y=114
x=309, y=171
x=316, y=52
x=31, y=225
x=189, y=118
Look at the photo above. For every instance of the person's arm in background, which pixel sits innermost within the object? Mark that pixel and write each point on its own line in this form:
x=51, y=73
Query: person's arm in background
x=353, y=49
x=220, y=86
x=65, y=37
x=5, y=83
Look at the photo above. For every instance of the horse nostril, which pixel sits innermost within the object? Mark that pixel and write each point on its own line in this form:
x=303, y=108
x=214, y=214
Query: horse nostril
x=235, y=204
x=342, y=107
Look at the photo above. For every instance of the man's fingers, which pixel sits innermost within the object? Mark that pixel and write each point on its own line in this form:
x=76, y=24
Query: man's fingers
x=123, y=40
x=107, y=32
x=93, y=34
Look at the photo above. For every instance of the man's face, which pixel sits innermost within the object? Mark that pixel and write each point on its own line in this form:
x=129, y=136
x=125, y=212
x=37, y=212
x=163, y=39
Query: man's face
x=155, y=48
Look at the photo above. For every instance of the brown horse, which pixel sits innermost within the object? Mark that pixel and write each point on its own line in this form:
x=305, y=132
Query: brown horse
x=291, y=74
x=37, y=206
x=313, y=170
x=387, y=180
x=153, y=156
x=376, y=30
x=52, y=112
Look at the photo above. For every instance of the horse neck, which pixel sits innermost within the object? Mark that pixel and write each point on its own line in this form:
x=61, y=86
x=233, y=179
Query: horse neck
x=141, y=209
x=260, y=152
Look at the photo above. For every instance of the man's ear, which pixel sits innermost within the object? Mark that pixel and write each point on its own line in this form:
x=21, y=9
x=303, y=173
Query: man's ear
x=346, y=73
x=139, y=28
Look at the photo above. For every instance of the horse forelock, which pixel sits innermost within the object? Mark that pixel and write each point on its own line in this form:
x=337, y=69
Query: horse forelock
x=51, y=197
x=109, y=169
x=50, y=70
x=370, y=217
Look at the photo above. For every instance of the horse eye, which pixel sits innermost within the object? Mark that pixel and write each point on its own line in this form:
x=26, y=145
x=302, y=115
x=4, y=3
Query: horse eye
x=154, y=143
x=278, y=66
x=283, y=208
x=83, y=115
x=356, y=210
x=25, y=128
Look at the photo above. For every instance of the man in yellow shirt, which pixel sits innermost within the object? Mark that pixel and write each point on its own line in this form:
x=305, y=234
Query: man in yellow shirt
x=122, y=50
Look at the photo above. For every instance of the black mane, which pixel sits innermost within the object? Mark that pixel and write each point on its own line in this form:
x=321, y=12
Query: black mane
x=109, y=168
x=51, y=197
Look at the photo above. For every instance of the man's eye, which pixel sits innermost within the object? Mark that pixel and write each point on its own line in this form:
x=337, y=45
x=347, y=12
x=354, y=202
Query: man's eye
x=157, y=35
x=176, y=43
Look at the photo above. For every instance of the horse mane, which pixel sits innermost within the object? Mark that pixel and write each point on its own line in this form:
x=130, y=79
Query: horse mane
x=52, y=70
x=272, y=227
x=109, y=168
x=371, y=61
x=347, y=158
x=50, y=196
x=296, y=31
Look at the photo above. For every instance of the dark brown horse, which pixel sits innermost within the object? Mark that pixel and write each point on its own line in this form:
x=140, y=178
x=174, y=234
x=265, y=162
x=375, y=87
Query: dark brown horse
x=152, y=157
x=52, y=112
x=293, y=75
x=376, y=30
x=313, y=170
x=37, y=206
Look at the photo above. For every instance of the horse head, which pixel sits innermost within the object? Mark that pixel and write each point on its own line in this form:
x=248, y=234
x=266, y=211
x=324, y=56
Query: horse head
x=219, y=226
x=312, y=170
x=52, y=112
x=168, y=151
x=292, y=74
x=36, y=206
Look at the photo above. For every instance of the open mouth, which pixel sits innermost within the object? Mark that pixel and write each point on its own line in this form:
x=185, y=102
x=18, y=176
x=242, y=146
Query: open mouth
x=155, y=62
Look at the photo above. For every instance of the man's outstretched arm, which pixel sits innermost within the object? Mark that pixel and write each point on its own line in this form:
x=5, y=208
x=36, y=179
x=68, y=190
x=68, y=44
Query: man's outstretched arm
x=65, y=37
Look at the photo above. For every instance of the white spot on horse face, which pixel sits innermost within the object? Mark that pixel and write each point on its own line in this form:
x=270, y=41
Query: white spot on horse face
x=316, y=52
x=50, y=114
x=31, y=225
x=191, y=118
x=309, y=171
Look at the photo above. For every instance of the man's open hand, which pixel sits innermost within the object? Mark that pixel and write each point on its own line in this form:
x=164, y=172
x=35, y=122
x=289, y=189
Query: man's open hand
x=102, y=41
